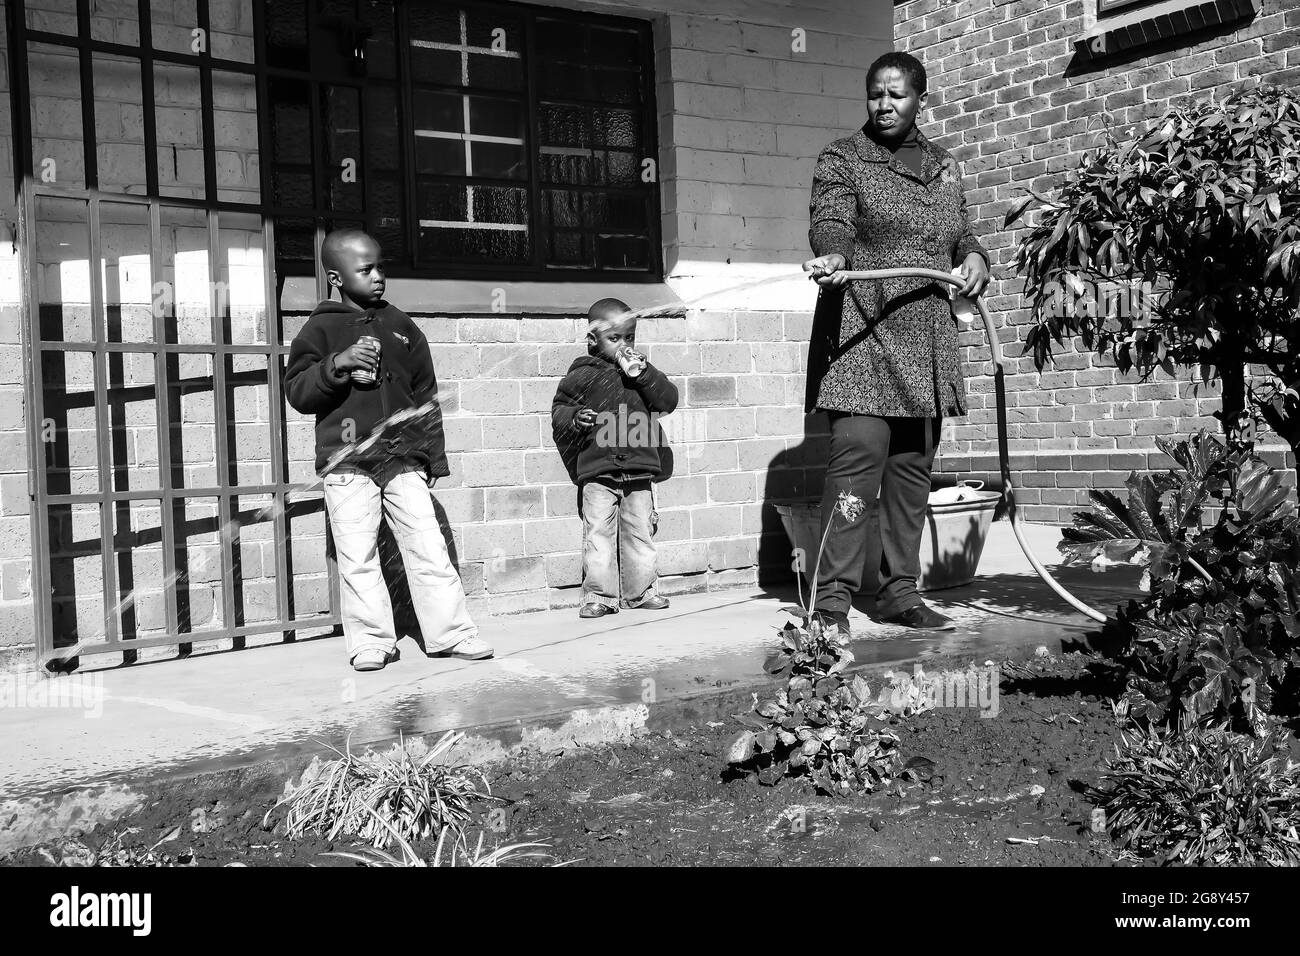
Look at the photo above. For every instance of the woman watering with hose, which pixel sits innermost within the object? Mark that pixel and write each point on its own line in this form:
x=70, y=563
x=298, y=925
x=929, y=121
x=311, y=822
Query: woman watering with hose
x=884, y=361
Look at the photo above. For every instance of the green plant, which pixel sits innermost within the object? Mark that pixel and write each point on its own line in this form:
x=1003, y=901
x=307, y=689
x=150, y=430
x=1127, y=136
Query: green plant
x=1205, y=796
x=380, y=796
x=1218, y=636
x=372, y=856
x=819, y=724
x=1200, y=213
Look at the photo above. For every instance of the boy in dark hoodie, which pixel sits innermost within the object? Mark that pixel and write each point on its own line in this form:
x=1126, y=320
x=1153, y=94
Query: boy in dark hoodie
x=605, y=423
x=392, y=475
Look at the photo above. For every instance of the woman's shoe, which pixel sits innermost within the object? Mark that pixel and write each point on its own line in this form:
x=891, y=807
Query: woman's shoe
x=922, y=618
x=596, y=610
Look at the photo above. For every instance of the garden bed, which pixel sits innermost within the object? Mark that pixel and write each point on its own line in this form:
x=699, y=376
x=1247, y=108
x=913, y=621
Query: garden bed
x=666, y=797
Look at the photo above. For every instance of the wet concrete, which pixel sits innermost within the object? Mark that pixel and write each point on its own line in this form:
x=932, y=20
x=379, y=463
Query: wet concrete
x=186, y=716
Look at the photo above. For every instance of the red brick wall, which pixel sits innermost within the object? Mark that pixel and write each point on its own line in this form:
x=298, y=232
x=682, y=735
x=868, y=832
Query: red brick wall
x=1012, y=102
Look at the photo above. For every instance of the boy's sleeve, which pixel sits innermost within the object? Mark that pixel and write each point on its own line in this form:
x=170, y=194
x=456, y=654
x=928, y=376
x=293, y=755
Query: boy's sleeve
x=424, y=380
x=570, y=398
x=311, y=382
x=659, y=393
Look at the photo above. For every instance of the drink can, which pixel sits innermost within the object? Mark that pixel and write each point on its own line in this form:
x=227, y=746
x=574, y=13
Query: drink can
x=631, y=363
x=361, y=376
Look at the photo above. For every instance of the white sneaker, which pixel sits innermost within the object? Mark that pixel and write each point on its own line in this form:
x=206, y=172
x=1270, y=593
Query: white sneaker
x=372, y=659
x=469, y=649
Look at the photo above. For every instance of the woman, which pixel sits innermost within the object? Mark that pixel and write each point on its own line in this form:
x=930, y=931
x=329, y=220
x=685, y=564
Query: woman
x=884, y=361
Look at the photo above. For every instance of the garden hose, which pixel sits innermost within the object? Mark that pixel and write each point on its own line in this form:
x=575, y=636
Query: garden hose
x=1008, y=487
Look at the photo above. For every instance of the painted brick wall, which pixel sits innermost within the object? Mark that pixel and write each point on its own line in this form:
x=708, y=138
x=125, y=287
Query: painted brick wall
x=1016, y=107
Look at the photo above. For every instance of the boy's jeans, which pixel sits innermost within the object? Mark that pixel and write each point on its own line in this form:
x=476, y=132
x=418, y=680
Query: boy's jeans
x=355, y=504
x=618, y=550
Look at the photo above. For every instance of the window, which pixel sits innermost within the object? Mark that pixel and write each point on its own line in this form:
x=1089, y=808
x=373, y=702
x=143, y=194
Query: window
x=471, y=139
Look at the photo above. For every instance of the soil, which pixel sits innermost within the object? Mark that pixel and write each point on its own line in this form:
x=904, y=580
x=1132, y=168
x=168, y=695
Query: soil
x=667, y=799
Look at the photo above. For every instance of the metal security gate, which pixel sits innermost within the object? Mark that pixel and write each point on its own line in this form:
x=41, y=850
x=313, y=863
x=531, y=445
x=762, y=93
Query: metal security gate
x=158, y=436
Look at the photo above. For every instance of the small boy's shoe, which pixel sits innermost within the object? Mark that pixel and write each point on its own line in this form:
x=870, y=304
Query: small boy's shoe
x=596, y=610
x=656, y=603
x=470, y=649
x=373, y=659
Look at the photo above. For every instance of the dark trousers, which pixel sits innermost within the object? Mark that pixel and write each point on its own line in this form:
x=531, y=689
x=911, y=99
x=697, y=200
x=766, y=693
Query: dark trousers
x=871, y=454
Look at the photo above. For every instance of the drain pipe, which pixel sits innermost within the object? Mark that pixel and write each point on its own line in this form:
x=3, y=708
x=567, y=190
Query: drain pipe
x=999, y=386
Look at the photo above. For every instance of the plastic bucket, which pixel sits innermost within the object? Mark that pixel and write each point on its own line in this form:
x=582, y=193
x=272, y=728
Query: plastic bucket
x=951, y=541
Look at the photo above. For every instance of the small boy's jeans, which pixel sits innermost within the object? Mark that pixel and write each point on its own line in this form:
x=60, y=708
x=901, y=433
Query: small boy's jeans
x=355, y=504
x=618, y=549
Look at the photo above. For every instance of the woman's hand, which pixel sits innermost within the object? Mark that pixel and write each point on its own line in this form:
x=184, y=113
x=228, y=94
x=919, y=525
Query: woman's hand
x=974, y=275
x=827, y=270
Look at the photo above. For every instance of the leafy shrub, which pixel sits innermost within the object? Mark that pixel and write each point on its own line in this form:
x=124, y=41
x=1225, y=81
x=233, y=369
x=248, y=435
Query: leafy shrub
x=383, y=796
x=818, y=724
x=1205, y=796
x=1216, y=637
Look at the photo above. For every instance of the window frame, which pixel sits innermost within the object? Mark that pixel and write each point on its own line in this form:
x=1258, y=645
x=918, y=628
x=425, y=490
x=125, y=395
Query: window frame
x=536, y=269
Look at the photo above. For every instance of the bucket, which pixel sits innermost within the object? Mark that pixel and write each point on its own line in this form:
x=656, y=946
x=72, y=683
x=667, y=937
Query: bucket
x=956, y=527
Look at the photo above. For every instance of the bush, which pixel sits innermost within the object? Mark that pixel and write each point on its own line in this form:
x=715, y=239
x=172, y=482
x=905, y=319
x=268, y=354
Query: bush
x=819, y=724
x=1217, y=637
x=1205, y=796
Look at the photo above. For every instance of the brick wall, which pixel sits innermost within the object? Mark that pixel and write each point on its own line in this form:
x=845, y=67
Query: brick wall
x=739, y=437
x=1015, y=105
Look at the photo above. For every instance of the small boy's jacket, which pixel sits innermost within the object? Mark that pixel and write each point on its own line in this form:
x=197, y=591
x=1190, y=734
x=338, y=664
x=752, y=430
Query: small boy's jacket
x=625, y=439
x=406, y=380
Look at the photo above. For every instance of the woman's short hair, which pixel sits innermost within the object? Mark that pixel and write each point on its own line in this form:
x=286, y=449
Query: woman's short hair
x=905, y=63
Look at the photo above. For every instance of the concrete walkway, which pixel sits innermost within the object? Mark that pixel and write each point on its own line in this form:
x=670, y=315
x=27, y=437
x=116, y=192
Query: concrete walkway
x=220, y=710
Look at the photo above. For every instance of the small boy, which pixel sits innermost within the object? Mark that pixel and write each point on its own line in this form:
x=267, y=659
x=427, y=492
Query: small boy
x=355, y=364
x=605, y=423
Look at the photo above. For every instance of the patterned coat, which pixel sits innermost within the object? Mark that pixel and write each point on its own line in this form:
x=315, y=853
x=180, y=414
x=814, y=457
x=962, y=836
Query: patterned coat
x=887, y=347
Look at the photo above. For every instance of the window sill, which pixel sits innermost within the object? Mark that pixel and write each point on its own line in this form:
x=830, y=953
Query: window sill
x=784, y=289
x=1126, y=31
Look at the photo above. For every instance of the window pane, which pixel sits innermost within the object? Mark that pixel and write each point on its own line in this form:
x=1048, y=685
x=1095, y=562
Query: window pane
x=133, y=420
x=496, y=204
x=193, y=429
x=563, y=125
x=241, y=279
x=381, y=45
x=58, y=144
x=498, y=160
x=342, y=128
x=63, y=269
x=172, y=25
x=199, y=561
x=291, y=121
x=76, y=575
x=442, y=157
x=382, y=132
x=386, y=214
x=444, y=112
x=497, y=71
x=125, y=271
x=234, y=97
x=178, y=110
x=622, y=252
x=286, y=33
x=72, y=445
x=489, y=116
x=442, y=202
x=248, y=397
x=231, y=22
x=53, y=16
x=498, y=245
x=433, y=24
x=119, y=124
x=114, y=21
x=569, y=249
x=442, y=67
x=187, y=275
